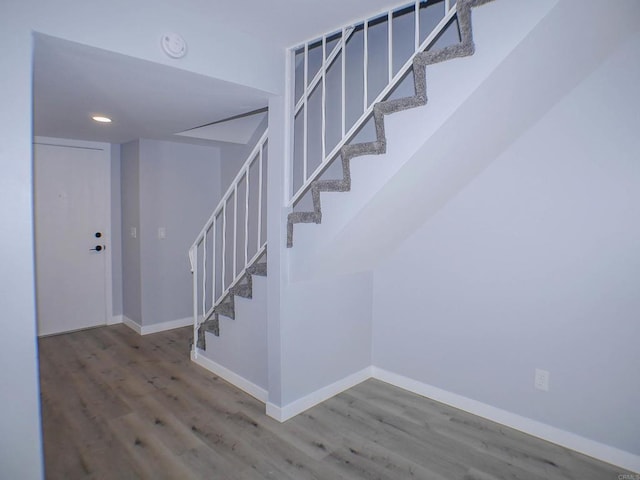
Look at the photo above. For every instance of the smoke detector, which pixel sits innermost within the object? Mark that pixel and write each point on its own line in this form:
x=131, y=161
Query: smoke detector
x=173, y=45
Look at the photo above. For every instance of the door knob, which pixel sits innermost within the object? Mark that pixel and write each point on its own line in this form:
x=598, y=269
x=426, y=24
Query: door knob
x=98, y=248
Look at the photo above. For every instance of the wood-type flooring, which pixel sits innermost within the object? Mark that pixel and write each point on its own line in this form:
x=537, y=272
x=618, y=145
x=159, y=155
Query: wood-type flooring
x=116, y=405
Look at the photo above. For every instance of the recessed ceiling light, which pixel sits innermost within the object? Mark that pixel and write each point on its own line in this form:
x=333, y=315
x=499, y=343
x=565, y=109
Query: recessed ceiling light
x=101, y=119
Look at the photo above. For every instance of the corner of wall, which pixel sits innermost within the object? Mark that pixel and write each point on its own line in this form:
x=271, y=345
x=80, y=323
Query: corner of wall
x=284, y=413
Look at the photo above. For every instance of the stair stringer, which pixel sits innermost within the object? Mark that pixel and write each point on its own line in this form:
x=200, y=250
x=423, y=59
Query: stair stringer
x=421, y=60
x=239, y=355
x=227, y=307
x=451, y=84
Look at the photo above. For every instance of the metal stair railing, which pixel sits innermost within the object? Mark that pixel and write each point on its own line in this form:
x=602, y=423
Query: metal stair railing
x=456, y=20
x=301, y=107
x=232, y=239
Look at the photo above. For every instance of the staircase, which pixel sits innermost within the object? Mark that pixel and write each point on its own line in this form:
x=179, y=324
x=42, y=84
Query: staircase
x=458, y=14
x=232, y=247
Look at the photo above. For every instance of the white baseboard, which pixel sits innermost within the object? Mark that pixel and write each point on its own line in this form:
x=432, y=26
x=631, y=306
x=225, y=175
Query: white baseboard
x=116, y=319
x=551, y=434
x=164, y=326
x=156, y=327
x=283, y=414
x=231, y=377
x=132, y=325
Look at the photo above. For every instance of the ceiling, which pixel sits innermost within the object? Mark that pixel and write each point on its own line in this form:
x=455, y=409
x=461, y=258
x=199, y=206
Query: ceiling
x=151, y=100
x=287, y=23
x=72, y=82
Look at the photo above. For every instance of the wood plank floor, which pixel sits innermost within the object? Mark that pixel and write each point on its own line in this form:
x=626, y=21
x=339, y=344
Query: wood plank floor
x=119, y=406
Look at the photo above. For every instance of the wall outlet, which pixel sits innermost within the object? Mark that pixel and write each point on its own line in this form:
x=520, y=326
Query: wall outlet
x=541, y=381
x=162, y=233
x=133, y=232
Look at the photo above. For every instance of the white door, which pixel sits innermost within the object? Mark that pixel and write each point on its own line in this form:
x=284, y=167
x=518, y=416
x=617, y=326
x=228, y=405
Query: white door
x=71, y=220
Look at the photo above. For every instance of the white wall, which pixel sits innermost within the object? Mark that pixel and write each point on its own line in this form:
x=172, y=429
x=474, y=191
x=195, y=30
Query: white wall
x=116, y=231
x=325, y=332
x=173, y=186
x=233, y=156
x=20, y=440
x=130, y=217
x=534, y=265
x=276, y=240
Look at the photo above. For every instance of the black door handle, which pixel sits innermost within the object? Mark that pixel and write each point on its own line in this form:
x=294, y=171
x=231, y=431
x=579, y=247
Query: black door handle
x=98, y=248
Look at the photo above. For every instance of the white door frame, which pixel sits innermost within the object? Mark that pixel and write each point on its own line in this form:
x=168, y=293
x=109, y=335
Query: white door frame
x=106, y=149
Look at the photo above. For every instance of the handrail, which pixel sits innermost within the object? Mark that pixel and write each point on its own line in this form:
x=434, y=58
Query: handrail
x=230, y=190
x=393, y=80
x=207, y=295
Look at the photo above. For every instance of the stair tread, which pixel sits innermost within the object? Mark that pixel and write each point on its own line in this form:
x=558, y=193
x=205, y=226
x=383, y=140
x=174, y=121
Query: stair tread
x=304, y=217
x=244, y=291
x=332, y=186
x=212, y=325
x=226, y=307
x=259, y=269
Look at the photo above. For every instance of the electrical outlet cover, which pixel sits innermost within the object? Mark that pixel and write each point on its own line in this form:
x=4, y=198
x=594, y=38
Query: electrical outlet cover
x=541, y=381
